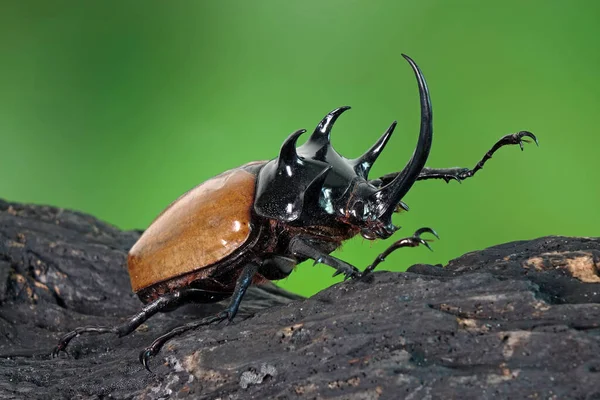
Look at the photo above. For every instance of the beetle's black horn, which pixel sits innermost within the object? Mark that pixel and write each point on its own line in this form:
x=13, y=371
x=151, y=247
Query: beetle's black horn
x=313, y=190
x=321, y=135
x=390, y=195
x=288, y=155
x=362, y=165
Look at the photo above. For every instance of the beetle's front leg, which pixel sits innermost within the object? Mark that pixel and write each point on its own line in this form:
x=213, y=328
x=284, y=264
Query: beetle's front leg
x=306, y=248
x=413, y=241
x=460, y=174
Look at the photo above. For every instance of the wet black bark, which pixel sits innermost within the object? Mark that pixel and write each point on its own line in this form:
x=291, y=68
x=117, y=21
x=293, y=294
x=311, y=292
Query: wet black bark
x=514, y=321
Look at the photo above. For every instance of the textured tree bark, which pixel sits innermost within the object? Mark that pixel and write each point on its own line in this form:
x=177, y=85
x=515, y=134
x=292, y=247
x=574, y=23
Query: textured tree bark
x=518, y=320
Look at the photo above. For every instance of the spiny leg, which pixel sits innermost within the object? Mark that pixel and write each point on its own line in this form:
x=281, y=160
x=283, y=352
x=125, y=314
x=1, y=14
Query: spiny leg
x=413, y=241
x=460, y=174
x=168, y=301
x=242, y=284
x=304, y=248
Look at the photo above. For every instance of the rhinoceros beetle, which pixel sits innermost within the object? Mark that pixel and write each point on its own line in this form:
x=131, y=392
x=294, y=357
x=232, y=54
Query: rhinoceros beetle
x=258, y=221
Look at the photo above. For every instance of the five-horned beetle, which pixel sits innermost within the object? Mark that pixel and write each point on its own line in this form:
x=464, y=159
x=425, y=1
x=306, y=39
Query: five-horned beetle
x=258, y=221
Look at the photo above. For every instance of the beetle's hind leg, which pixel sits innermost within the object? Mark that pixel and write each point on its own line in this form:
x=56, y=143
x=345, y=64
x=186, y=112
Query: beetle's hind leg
x=413, y=241
x=460, y=174
x=166, y=302
x=243, y=283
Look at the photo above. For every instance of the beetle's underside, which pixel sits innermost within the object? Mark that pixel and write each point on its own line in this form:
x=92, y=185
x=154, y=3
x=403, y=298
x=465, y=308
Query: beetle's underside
x=305, y=203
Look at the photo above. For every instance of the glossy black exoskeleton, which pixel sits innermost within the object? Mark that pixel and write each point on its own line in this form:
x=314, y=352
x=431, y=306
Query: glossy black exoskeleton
x=272, y=215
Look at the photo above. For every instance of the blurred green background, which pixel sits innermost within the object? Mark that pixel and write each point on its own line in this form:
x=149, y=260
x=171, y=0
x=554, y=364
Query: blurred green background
x=115, y=108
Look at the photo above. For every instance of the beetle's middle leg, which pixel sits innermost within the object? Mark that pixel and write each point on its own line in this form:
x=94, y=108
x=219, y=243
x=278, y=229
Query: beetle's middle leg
x=305, y=248
x=460, y=174
x=243, y=283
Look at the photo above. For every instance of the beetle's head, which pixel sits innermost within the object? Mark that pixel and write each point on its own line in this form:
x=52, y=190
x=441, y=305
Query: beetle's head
x=314, y=185
x=364, y=211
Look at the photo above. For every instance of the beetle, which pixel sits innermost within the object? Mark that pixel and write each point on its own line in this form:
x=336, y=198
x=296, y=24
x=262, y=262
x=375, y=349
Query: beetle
x=258, y=221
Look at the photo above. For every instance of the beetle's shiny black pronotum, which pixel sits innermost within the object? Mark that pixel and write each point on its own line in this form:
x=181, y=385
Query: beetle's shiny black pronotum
x=258, y=221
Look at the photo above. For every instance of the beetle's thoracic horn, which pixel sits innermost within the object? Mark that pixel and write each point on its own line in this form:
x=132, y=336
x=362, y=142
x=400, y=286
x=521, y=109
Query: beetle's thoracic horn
x=321, y=135
x=313, y=190
x=389, y=196
x=362, y=165
x=288, y=155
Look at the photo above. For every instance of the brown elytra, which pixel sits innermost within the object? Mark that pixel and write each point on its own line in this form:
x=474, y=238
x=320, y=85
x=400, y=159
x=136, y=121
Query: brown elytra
x=197, y=230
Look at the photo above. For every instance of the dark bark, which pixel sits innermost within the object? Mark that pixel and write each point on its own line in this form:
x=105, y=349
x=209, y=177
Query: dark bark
x=514, y=321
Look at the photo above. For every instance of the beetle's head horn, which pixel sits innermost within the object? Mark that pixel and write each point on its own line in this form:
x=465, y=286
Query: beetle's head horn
x=389, y=197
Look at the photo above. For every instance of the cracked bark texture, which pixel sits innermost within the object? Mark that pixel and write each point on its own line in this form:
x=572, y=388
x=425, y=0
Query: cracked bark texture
x=518, y=320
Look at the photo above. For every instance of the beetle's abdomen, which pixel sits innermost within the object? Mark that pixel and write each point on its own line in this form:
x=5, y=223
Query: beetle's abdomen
x=197, y=230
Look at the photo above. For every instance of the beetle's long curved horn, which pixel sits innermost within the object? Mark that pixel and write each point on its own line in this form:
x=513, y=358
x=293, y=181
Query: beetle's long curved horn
x=362, y=165
x=390, y=195
x=288, y=155
x=321, y=135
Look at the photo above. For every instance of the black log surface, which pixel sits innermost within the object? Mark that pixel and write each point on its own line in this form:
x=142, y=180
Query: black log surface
x=519, y=320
